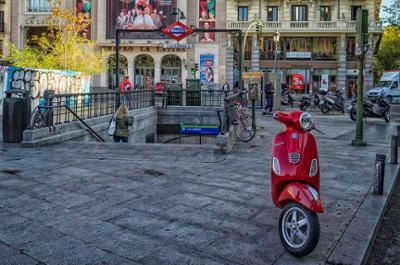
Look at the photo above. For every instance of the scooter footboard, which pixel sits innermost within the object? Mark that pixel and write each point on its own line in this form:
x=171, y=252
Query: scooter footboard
x=303, y=194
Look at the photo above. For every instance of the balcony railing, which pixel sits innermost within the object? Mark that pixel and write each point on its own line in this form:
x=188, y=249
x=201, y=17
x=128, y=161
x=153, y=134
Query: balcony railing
x=313, y=25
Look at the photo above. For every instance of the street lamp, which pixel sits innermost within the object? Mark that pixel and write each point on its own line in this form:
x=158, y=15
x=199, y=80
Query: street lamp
x=277, y=86
x=177, y=11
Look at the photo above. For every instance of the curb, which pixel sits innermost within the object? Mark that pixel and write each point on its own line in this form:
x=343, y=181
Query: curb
x=361, y=232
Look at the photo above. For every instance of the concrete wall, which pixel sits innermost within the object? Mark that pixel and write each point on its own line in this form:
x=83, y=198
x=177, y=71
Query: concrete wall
x=145, y=125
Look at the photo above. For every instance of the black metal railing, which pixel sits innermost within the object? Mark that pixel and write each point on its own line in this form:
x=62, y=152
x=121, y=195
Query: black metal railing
x=204, y=98
x=92, y=105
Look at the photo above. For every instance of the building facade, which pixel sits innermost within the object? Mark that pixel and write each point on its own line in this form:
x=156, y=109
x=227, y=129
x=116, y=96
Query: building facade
x=5, y=24
x=317, y=39
x=145, y=58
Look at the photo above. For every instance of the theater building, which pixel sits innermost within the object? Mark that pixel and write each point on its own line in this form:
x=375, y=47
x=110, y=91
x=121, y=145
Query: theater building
x=145, y=58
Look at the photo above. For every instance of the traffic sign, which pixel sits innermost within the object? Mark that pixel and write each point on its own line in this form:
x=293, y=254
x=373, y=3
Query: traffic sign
x=178, y=31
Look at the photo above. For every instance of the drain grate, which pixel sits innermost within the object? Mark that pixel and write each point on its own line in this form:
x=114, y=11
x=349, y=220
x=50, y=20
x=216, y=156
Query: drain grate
x=15, y=172
x=154, y=173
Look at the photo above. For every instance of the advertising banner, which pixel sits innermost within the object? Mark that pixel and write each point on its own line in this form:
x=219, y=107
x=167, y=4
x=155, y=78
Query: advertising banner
x=324, y=82
x=85, y=7
x=139, y=14
x=207, y=68
x=298, y=81
x=207, y=18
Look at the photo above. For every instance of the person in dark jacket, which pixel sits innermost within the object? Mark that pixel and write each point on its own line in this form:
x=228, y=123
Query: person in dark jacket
x=123, y=121
x=269, y=96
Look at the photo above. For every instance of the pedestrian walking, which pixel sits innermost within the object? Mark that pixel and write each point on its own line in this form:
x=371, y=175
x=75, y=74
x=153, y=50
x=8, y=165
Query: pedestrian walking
x=269, y=96
x=354, y=91
x=122, y=123
x=126, y=87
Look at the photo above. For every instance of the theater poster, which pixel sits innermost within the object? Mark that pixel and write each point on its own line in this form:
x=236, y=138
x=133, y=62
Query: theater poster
x=207, y=18
x=207, y=68
x=85, y=7
x=139, y=14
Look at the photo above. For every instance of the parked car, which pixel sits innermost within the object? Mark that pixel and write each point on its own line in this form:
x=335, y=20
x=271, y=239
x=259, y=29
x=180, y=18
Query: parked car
x=388, y=85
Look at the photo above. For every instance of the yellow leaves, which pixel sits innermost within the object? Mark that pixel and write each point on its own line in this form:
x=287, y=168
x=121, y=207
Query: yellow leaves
x=62, y=47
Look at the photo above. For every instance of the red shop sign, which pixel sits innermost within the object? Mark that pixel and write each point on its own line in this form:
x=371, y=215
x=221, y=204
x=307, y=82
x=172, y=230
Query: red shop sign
x=297, y=81
x=178, y=31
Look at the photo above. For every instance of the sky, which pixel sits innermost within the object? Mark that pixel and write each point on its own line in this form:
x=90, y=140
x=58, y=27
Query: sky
x=385, y=3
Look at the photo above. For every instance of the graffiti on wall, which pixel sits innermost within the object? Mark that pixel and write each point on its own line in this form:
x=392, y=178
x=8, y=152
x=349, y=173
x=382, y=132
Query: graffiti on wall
x=37, y=81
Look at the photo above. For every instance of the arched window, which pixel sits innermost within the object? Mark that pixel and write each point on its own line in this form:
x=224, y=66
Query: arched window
x=123, y=70
x=144, y=71
x=171, y=69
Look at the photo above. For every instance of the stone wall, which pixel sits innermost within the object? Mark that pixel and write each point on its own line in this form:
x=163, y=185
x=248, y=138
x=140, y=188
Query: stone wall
x=145, y=126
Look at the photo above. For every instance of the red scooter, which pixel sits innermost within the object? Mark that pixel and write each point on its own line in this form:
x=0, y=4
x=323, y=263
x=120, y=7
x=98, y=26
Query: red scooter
x=295, y=182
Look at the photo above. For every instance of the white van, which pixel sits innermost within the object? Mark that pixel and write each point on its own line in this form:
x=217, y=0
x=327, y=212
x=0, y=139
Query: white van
x=388, y=85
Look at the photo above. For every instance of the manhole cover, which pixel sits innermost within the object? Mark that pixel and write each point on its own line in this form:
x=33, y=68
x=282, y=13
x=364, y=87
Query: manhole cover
x=14, y=172
x=153, y=172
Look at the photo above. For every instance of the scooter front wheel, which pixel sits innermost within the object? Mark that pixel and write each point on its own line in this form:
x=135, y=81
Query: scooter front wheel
x=298, y=229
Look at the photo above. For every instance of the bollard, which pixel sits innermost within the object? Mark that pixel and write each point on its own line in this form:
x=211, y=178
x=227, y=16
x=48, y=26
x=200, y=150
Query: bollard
x=379, y=174
x=398, y=133
x=394, y=149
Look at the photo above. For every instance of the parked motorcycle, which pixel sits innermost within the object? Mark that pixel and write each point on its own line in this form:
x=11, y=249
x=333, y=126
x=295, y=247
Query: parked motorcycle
x=378, y=109
x=289, y=101
x=332, y=101
x=309, y=102
x=295, y=182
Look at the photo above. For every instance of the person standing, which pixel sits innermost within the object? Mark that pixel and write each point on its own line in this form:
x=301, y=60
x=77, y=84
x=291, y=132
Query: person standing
x=269, y=96
x=126, y=87
x=226, y=88
x=122, y=123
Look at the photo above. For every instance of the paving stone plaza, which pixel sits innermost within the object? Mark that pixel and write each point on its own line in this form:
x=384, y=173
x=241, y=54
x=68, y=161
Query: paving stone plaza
x=89, y=203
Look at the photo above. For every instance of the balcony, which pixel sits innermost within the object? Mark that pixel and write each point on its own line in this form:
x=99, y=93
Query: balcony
x=306, y=26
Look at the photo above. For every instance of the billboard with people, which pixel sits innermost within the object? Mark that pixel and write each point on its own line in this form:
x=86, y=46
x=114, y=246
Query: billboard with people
x=207, y=68
x=85, y=7
x=139, y=14
x=207, y=18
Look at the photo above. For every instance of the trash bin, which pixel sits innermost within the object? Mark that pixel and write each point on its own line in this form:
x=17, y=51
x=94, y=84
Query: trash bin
x=16, y=115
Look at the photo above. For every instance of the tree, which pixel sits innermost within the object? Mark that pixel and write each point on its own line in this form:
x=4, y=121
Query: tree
x=63, y=46
x=393, y=13
x=388, y=57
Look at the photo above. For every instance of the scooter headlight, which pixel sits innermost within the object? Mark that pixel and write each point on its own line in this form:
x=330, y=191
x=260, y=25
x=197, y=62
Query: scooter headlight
x=275, y=166
x=306, y=121
x=313, y=168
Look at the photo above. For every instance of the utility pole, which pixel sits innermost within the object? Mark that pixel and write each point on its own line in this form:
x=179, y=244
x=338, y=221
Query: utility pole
x=362, y=42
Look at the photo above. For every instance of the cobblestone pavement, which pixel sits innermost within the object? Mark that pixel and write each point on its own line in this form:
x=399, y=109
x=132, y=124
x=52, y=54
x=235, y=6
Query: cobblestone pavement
x=386, y=248
x=82, y=203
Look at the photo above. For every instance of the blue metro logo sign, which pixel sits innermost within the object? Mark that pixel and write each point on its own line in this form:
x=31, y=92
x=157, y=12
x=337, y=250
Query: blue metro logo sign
x=178, y=31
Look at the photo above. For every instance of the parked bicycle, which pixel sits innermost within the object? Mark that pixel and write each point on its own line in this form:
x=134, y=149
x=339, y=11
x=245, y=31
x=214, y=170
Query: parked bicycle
x=243, y=124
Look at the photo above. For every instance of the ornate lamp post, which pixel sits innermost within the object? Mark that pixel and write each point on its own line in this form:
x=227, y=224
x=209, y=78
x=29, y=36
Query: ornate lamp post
x=277, y=85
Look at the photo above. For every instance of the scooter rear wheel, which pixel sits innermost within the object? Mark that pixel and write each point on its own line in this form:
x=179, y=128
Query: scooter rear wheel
x=298, y=229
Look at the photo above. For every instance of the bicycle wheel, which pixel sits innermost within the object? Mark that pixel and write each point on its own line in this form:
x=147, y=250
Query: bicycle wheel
x=243, y=129
x=38, y=120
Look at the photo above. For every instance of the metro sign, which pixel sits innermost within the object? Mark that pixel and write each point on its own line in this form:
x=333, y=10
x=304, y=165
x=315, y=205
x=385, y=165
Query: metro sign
x=178, y=31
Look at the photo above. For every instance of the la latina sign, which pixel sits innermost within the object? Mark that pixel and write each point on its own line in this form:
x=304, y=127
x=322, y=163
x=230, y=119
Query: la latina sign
x=178, y=31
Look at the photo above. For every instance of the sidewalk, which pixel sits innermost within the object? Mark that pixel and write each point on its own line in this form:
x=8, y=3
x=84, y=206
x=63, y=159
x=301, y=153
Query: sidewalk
x=114, y=204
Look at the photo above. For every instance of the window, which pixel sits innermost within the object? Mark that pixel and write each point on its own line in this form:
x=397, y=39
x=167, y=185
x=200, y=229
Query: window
x=300, y=13
x=354, y=10
x=351, y=48
x=298, y=45
x=38, y=6
x=1, y=21
x=272, y=13
x=243, y=13
x=324, y=49
x=325, y=13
